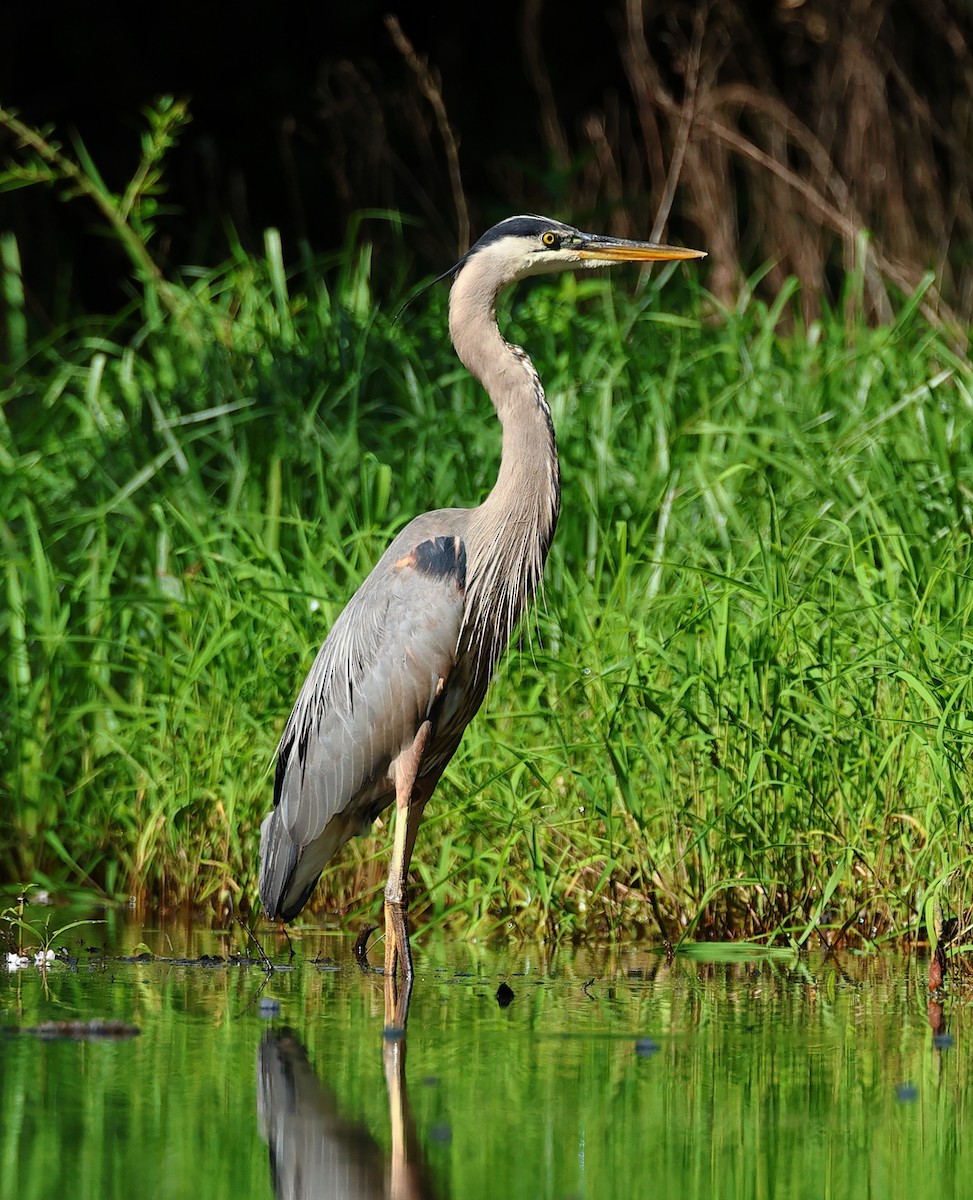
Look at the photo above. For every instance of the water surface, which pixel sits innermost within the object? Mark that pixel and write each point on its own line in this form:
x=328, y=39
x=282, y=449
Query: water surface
x=610, y=1073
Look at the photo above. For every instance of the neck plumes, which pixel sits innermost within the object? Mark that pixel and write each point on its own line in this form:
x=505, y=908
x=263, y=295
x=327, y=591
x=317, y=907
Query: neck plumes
x=511, y=531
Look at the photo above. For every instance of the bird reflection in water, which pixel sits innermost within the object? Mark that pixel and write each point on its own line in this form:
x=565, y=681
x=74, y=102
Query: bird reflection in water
x=315, y=1150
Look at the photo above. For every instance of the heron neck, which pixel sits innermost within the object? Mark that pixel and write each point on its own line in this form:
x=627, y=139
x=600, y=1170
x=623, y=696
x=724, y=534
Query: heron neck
x=511, y=531
x=527, y=491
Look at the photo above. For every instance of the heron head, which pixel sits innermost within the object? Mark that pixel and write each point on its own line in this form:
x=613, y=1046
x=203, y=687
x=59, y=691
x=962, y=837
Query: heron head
x=531, y=245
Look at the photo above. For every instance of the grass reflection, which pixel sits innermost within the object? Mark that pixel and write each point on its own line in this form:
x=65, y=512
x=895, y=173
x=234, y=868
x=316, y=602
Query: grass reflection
x=766, y=1076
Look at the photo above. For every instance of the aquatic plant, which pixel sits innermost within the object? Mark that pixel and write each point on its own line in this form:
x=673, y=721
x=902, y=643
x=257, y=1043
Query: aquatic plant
x=28, y=941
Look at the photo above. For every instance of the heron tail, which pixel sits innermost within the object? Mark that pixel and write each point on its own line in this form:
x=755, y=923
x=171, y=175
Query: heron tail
x=284, y=890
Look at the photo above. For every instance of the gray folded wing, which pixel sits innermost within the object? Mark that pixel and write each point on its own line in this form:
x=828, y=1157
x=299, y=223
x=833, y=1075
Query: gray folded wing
x=373, y=683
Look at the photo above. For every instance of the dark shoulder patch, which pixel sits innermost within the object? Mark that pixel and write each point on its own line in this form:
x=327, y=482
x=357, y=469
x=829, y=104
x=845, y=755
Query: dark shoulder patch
x=442, y=558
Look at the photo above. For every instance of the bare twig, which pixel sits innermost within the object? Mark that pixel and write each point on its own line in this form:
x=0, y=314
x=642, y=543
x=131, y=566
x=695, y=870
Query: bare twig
x=685, y=124
x=431, y=88
x=268, y=965
x=540, y=78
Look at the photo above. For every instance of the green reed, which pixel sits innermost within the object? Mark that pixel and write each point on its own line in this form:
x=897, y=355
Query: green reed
x=744, y=706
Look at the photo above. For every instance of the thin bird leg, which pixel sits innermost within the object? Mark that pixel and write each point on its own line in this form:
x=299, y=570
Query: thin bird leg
x=396, y=1004
x=409, y=803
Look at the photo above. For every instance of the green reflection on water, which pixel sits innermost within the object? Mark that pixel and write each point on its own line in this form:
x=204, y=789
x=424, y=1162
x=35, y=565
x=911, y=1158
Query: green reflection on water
x=755, y=1077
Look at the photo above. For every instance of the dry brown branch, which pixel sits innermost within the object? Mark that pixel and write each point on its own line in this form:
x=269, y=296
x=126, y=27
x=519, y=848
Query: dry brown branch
x=646, y=84
x=681, y=140
x=851, y=149
x=431, y=87
x=831, y=216
x=540, y=79
x=822, y=138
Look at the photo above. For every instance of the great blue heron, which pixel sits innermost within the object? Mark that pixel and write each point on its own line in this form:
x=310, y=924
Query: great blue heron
x=407, y=663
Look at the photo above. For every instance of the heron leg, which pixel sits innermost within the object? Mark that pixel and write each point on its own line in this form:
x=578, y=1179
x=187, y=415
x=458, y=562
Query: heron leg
x=410, y=800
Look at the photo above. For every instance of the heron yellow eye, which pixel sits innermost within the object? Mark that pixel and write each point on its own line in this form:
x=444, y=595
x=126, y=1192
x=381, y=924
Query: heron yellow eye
x=551, y=240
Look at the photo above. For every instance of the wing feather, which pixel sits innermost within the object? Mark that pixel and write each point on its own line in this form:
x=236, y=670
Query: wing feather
x=374, y=681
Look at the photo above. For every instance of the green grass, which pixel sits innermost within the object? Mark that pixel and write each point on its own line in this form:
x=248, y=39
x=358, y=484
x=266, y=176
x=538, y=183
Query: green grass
x=745, y=706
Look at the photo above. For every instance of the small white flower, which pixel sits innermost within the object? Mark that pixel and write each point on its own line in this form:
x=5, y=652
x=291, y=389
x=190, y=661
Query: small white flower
x=16, y=961
x=43, y=956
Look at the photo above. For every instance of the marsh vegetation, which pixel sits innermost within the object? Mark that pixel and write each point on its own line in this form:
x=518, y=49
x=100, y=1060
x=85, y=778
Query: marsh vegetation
x=744, y=706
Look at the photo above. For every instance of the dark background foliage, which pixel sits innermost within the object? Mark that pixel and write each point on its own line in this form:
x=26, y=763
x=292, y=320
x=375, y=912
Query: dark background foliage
x=772, y=134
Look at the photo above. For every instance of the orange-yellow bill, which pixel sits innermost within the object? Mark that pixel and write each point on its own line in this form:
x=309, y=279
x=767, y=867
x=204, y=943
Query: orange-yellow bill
x=606, y=249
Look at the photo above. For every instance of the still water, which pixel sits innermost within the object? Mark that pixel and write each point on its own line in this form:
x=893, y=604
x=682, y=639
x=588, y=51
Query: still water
x=609, y=1073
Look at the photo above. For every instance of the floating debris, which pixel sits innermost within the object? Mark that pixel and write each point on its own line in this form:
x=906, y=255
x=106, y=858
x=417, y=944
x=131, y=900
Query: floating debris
x=83, y=1030
x=505, y=995
x=645, y=1047
x=906, y=1092
x=327, y=963
x=268, y=1008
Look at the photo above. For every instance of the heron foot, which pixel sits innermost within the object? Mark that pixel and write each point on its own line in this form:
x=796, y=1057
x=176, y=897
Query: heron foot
x=398, y=960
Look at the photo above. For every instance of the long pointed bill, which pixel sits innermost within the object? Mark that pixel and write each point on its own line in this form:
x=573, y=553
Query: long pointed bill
x=609, y=250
